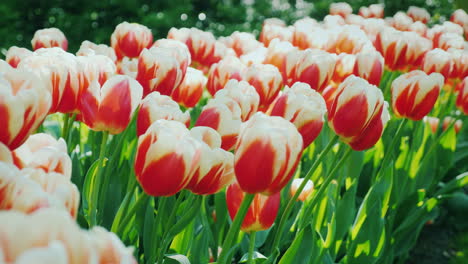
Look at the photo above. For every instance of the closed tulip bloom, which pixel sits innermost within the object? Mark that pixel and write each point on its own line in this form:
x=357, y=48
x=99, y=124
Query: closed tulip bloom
x=290, y=65
x=128, y=67
x=372, y=27
x=95, y=68
x=305, y=32
x=24, y=104
x=419, y=27
x=15, y=54
x=44, y=152
x=329, y=94
x=306, y=192
x=167, y=158
x=432, y=122
x=49, y=38
x=201, y=45
x=460, y=63
x=256, y=56
x=392, y=45
x=460, y=17
x=244, y=94
x=457, y=125
x=401, y=21
x=418, y=14
x=344, y=67
x=88, y=48
x=415, y=93
x=277, y=52
x=158, y=70
x=347, y=39
x=262, y=212
x=373, y=11
x=281, y=145
x=221, y=72
x=223, y=114
x=417, y=49
x=302, y=106
x=178, y=49
x=435, y=32
x=451, y=40
x=462, y=98
x=353, y=19
x=242, y=42
x=267, y=80
x=129, y=39
x=271, y=31
x=333, y=21
x=189, y=92
x=369, y=66
x=155, y=107
x=358, y=113
x=316, y=68
x=110, y=107
x=438, y=60
x=342, y=9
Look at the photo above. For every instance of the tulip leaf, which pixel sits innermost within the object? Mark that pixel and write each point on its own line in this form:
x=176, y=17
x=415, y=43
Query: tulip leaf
x=199, y=249
x=89, y=187
x=176, y=259
x=257, y=256
x=183, y=240
x=300, y=250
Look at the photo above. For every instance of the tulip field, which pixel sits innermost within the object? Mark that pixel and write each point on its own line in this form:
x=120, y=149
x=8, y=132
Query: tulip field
x=333, y=141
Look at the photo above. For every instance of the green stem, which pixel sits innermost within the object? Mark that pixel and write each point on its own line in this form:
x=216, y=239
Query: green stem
x=234, y=229
x=95, y=194
x=141, y=200
x=251, y=247
x=292, y=200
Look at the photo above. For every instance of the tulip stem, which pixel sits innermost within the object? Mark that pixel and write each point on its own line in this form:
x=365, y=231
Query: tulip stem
x=141, y=200
x=234, y=229
x=293, y=199
x=251, y=247
x=98, y=180
x=67, y=125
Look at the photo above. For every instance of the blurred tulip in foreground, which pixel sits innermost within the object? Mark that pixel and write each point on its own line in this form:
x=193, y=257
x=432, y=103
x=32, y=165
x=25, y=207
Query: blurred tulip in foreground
x=306, y=192
x=129, y=39
x=48, y=38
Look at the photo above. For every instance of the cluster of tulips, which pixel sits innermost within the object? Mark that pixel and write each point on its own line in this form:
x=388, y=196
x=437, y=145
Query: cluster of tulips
x=161, y=161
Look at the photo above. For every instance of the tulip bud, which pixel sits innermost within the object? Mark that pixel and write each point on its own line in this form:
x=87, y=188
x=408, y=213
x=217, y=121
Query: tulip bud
x=392, y=45
x=129, y=39
x=374, y=10
x=244, y=94
x=419, y=14
x=15, y=54
x=302, y=106
x=435, y=32
x=462, y=98
x=372, y=27
x=369, y=66
x=433, y=123
x=262, y=212
x=344, y=67
x=342, y=9
x=281, y=145
x=267, y=80
x=166, y=159
x=359, y=113
x=189, y=92
x=415, y=93
x=438, y=60
x=48, y=38
x=158, y=70
x=306, y=192
x=111, y=107
x=315, y=67
x=24, y=104
x=179, y=51
x=221, y=72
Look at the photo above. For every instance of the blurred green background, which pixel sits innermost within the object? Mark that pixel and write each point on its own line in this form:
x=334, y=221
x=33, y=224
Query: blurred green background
x=95, y=20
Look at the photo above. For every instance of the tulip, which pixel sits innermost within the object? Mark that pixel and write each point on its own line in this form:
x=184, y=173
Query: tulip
x=281, y=145
x=48, y=38
x=109, y=247
x=438, y=60
x=15, y=54
x=241, y=42
x=95, y=68
x=277, y=52
x=256, y=56
x=272, y=31
x=155, y=107
x=358, y=113
x=392, y=45
x=223, y=114
x=129, y=39
x=267, y=80
x=344, y=67
x=307, y=34
x=460, y=17
x=374, y=10
x=110, y=107
x=415, y=93
x=347, y=39
x=24, y=104
x=460, y=63
x=329, y=94
x=342, y=9
x=315, y=67
x=451, y=40
x=302, y=106
x=401, y=21
x=457, y=124
x=433, y=123
x=158, y=70
x=333, y=21
x=435, y=32
x=419, y=14
x=306, y=192
x=372, y=27
x=419, y=27
x=88, y=48
x=189, y=92
x=417, y=49
x=462, y=98
x=216, y=168
x=353, y=19
x=244, y=94
x=290, y=65
x=262, y=212
x=167, y=158
x=221, y=72
x=5, y=154
x=128, y=67
x=369, y=66
x=42, y=151
x=178, y=50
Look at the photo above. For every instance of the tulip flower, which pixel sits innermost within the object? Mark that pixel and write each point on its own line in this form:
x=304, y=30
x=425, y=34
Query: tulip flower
x=290, y=65
x=158, y=70
x=460, y=17
x=401, y=21
x=5, y=154
x=256, y=56
x=374, y=10
x=329, y=94
x=244, y=94
x=167, y=158
x=302, y=106
x=276, y=53
x=457, y=124
x=129, y=39
x=419, y=14
x=15, y=54
x=369, y=66
x=438, y=60
x=347, y=39
x=155, y=107
x=462, y=98
x=419, y=27
x=281, y=145
x=89, y=48
x=358, y=113
x=48, y=38
x=415, y=93
x=342, y=9
x=128, y=67
x=306, y=192
x=435, y=32
x=44, y=152
x=451, y=40
x=216, y=167
x=306, y=34
x=392, y=45
x=189, y=92
x=262, y=212
x=331, y=22
x=110, y=107
x=433, y=123
x=95, y=68
x=344, y=67
x=24, y=104
x=417, y=49
x=272, y=31
x=460, y=63
x=223, y=114
x=221, y=72
x=179, y=51
x=241, y=42
x=372, y=27
x=267, y=80
x=315, y=67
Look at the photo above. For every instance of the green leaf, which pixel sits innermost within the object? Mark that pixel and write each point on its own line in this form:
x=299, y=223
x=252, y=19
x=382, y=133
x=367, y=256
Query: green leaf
x=256, y=256
x=89, y=187
x=300, y=250
x=176, y=259
x=183, y=240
